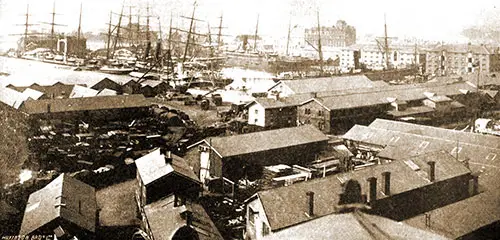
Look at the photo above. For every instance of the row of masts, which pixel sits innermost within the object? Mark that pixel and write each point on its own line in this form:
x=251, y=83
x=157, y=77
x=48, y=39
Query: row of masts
x=52, y=35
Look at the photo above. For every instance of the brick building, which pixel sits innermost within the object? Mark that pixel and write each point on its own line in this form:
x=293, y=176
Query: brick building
x=339, y=35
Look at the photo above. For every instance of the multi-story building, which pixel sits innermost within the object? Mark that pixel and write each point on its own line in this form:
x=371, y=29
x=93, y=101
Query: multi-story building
x=459, y=59
x=339, y=35
x=373, y=56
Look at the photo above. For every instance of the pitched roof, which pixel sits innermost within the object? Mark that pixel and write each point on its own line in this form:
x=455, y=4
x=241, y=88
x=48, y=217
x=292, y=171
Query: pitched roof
x=327, y=84
x=106, y=92
x=350, y=226
x=152, y=166
x=285, y=206
x=103, y=83
x=152, y=83
x=164, y=219
x=64, y=197
x=12, y=97
x=269, y=103
x=83, y=104
x=79, y=92
x=436, y=132
x=379, y=96
x=265, y=140
x=462, y=48
x=398, y=144
x=117, y=204
x=33, y=94
x=58, y=90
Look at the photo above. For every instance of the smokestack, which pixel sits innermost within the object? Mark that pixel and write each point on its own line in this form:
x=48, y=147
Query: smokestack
x=387, y=183
x=432, y=171
x=372, y=196
x=310, y=201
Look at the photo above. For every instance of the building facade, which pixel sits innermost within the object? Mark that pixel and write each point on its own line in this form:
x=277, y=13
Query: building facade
x=460, y=59
x=372, y=56
x=272, y=113
x=339, y=35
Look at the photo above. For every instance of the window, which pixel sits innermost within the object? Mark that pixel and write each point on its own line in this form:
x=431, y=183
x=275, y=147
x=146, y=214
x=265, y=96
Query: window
x=491, y=156
x=320, y=113
x=256, y=111
x=256, y=120
x=252, y=215
x=265, y=229
x=307, y=111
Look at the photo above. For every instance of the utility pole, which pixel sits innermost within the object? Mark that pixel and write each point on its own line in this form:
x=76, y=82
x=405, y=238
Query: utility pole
x=255, y=36
x=319, y=46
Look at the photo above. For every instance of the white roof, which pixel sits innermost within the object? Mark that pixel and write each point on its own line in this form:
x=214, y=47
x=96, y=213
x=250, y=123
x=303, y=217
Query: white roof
x=152, y=166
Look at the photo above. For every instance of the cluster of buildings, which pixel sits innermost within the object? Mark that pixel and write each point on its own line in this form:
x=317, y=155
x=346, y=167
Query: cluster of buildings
x=338, y=35
x=435, y=60
x=335, y=104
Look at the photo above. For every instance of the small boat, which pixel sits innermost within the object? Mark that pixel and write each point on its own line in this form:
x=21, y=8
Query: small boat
x=59, y=58
x=116, y=70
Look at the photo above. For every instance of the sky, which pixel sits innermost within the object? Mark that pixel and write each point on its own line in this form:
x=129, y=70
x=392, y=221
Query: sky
x=437, y=20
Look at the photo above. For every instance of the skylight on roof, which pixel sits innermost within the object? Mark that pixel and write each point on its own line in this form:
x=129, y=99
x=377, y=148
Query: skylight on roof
x=32, y=207
x=423, y=145
x=412, y=165
x=491, y=156
x=456, y=150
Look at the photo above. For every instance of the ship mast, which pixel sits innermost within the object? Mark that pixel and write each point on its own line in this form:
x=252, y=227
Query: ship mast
x=108, y=47
x=319, y=46
x=220, y=34
x=288, y=37
x=26, y=26
x=386, y=44
x=117, y=32
x=79, y=30
x=255, y=36
x=189, y=34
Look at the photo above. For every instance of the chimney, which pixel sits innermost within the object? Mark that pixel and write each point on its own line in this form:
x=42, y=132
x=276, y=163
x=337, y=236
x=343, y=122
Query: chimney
x=432, y=171
x=475, y=184
x=372, y=195
x=168, y=157
x=48, y=108
x=310, y=201
x=387, y=183
x=187, y=214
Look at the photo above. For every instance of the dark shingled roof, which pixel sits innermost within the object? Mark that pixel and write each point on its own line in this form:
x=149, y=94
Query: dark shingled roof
x=164, y=220
x=351, y=226
x=117, y=204
x=65, y=198
x=285, y=206
x=152, y=167
x=265, y=140
x=83, y=104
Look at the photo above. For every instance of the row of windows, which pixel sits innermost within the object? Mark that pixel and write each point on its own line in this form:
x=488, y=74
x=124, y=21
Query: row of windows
x=307, y=111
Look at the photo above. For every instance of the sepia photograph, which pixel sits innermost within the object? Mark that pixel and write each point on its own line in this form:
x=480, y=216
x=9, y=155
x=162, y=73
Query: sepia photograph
x=249, y=120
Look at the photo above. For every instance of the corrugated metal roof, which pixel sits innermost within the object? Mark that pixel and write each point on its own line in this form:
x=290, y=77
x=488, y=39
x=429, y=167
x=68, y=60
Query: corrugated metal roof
x=351, y=226
x=266, y=140
x=85, y=104
x=152, y=166
x=64, y=197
